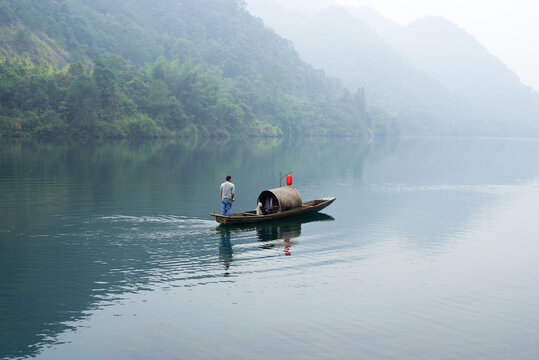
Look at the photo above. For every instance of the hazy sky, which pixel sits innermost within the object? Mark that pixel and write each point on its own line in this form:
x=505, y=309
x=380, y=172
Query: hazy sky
x=508, y=29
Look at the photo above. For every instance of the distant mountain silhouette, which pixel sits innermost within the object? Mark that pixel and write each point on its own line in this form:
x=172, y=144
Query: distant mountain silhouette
x=436, y=78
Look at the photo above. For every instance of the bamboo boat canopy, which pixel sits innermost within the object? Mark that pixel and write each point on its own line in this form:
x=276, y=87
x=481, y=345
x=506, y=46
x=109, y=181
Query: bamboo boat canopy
x=280, y=199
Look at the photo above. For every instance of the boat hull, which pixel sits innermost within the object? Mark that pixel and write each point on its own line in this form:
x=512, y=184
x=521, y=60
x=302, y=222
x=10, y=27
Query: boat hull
x=250, y=217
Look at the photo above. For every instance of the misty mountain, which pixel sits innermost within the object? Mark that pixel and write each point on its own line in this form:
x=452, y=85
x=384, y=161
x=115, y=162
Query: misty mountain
x=178, y=67
x=462, y=65
x=433, y=76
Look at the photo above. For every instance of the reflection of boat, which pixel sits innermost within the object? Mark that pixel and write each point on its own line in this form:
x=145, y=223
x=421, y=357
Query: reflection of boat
x=278, y=229
x=278, y=233
x=251, y=217
x=287, y=228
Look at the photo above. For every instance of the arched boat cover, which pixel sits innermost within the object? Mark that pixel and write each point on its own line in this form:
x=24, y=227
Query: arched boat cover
x=279, y=200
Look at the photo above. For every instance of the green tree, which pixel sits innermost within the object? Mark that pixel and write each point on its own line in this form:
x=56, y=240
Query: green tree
x=82, y=105
x=105, y=81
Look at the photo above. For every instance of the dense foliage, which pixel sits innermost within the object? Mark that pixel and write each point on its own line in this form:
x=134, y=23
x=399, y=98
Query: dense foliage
x=113, y=99
x=162, y=68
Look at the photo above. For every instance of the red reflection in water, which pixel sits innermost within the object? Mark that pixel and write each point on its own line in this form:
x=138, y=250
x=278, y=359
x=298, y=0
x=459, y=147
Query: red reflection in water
x=287, y=247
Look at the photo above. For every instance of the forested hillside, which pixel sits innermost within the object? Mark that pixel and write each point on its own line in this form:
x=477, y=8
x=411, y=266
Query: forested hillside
x=71, y=68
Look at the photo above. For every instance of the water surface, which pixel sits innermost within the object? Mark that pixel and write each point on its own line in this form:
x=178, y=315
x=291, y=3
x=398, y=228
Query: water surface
x=430, y=251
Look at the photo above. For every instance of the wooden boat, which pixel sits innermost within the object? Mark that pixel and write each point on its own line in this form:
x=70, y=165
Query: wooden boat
x=250, y=217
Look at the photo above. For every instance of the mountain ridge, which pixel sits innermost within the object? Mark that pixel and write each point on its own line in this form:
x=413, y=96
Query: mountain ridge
x=412, y=71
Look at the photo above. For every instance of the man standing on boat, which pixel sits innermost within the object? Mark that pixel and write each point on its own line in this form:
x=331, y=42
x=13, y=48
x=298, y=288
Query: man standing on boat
x=227, y=196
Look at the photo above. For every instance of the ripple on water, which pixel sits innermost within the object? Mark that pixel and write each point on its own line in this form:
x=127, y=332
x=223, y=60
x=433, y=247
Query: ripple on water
x=189, y=251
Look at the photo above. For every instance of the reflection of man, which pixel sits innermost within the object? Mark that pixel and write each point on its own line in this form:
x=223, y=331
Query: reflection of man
x=227, y=196
x=225, y=250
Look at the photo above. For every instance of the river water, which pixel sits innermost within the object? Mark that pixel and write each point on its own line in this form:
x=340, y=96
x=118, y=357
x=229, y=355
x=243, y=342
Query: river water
x=107, y=251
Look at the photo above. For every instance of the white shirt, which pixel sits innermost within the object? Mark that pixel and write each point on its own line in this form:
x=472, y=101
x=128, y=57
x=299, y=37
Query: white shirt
x=227, y=189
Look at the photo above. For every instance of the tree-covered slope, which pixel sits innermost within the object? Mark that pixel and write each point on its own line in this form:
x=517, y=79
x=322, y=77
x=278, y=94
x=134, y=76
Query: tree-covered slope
x=162, y=67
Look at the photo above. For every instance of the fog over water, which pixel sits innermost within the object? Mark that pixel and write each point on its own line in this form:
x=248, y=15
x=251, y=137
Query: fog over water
x=429, y=251
x=415, y=116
